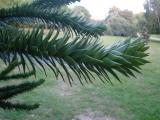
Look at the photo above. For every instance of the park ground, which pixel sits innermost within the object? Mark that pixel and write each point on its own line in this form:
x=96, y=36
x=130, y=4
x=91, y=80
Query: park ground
x=134, y=99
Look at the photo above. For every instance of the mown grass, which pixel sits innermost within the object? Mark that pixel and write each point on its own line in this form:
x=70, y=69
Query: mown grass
x=135, y=99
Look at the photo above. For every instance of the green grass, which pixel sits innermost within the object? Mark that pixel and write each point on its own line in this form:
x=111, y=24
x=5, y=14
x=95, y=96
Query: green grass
x=135, y=99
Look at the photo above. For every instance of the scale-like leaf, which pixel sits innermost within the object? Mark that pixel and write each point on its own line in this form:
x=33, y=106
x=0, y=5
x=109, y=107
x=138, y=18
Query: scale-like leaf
x=84, y=56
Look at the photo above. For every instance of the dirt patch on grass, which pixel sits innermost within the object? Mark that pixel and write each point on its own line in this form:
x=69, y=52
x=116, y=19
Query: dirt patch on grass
x=64, y=89
x=90, y=115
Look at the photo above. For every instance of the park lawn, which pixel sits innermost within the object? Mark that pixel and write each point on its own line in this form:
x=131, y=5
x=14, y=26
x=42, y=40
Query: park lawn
x=135, y=99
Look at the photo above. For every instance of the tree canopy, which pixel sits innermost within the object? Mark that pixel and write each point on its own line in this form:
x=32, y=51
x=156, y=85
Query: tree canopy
x=152, y=14
x=120, y=23
x=81, y=11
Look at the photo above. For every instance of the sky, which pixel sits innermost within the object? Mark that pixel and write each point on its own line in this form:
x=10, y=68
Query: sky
x=100, y=8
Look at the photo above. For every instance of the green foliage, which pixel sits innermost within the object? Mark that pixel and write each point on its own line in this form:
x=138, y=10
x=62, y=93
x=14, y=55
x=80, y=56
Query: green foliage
x=10, y=91
x=152, y=14
x=71, y=44
x=52, y=3
x=120, y=23
x=140, y=22
x=81, y=11
x=83, y=55
x=128, y=15
x=55, y=19
x=134, y=99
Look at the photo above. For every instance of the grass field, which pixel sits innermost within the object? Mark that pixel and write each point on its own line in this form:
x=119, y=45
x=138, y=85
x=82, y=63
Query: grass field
x=135, y=99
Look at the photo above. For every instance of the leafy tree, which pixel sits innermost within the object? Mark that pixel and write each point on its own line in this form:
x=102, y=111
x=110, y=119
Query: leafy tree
x=71, y=44
x=140, y=22
x=120, y=23
x=128, y=15
x=152, y=14
x=81, y=11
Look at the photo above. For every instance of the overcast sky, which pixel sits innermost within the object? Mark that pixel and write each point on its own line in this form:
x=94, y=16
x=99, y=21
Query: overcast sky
x=99, y=8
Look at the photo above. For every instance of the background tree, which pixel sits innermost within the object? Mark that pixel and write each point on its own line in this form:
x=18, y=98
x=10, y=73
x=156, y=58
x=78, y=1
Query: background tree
x=128, y=15
x=140, y=22
x=120, y=23
x=82, y=11
x=152, y=14
x=71, y=44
